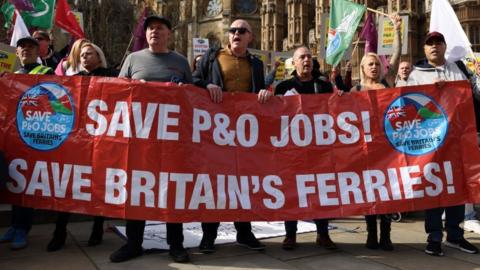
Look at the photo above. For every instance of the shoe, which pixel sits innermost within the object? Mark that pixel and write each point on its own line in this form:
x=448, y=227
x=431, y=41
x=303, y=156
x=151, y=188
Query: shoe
x=125, y=253
x=8, y=235
x=325, y=241
x=19, y=240
x=96, y=237
x=434, y=249
x=289, y=243
x=386, y=244
x=472, y=226
x=179, y=254
x=206, y=246
x=462, y=245
x=250, y=241
x=58, y=241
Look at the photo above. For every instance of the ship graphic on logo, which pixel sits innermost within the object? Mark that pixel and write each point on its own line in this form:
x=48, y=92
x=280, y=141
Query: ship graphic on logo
x=415, y=124
x=45, y=116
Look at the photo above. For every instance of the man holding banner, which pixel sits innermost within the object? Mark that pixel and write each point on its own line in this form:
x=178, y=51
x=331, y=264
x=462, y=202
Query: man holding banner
x=22, y=217
x=305, y=80
x=156, y=63
x=232, y=69
x=436, y=69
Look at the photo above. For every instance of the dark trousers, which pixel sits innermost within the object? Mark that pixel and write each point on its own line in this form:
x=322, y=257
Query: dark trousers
x=454, y=215
x=22, y=217
x=385, y=224
x=291, y=227
x=136, y=228
x=63, y=217
x=210, y=229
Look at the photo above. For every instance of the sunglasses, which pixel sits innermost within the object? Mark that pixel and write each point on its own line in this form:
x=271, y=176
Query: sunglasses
x=241, y=30
x=40, y=38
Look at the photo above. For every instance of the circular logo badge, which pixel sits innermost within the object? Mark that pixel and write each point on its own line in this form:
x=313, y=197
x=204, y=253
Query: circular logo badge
x=415, y=124
x=45, y=116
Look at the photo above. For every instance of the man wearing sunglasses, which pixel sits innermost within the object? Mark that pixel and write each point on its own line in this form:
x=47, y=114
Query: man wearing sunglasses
x=231, y=69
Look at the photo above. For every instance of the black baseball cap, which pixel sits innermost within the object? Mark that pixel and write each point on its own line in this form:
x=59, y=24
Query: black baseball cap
x=27, y=39
x=436, y=35
x=161, y=19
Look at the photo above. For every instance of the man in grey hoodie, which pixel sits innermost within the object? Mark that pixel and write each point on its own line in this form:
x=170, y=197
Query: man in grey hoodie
x=436, y=69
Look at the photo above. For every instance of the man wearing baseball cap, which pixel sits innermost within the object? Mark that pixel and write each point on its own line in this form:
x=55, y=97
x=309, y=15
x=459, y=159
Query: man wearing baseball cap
x=22, y=217
x=27, y=53
x=155, y=63
x=436, y=69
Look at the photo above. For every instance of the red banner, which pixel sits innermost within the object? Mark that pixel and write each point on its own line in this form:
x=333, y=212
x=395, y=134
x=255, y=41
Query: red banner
x=127, y=149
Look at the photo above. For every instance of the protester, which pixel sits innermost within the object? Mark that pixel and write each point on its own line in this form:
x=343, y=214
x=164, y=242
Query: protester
x=371, y=69
x=270, y=78
x=305, y=80
x=404, y=70
x=71, y=66
x=471, y=222
x=47, y=55
x=372, y=78
x=436, y=69
x=156, y=63
x=22, y=217
x=232, y=69
x=338, y=81
x=93, y=63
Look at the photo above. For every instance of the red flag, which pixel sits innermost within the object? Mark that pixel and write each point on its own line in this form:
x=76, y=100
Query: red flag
x=65, y=19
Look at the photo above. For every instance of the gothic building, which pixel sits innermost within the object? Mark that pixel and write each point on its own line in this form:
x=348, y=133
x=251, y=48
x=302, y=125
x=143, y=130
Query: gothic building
x=289, y=23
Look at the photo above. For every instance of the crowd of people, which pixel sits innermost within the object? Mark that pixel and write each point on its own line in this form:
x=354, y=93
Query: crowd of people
x=234, y=69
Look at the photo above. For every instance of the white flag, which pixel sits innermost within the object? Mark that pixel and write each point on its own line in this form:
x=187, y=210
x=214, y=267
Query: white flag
x=444, y=20
x=20, y=30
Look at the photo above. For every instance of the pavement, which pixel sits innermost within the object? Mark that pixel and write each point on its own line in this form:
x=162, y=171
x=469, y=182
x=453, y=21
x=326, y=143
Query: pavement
x=408, y=237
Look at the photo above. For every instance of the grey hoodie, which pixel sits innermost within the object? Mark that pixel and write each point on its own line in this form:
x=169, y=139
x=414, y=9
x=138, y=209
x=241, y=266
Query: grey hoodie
x=424, y=73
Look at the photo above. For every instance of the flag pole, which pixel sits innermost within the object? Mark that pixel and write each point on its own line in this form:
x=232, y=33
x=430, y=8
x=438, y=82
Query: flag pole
x=376, y=11
x=126, y=51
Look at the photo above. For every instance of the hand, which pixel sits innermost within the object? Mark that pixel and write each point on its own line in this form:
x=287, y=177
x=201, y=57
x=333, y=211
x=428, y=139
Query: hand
x=215, y=92
x=396, y=20
x=440, y=83
x=348, y=66
x=264, y=96
x=340, y=93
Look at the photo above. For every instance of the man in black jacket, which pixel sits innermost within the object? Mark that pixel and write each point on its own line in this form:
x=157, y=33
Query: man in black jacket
x=305, y=80
x=232, y=69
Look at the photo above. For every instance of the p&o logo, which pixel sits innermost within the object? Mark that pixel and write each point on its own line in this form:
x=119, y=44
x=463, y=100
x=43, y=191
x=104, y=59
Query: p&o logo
x=415, y=124
x=45, y=116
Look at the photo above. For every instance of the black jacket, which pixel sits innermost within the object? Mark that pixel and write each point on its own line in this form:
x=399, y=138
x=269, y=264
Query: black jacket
x=315, y=86
x=209, y=71
x=103, y=72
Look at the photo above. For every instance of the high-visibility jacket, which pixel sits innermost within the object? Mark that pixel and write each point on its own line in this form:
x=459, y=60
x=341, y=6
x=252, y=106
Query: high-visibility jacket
x=38, y=70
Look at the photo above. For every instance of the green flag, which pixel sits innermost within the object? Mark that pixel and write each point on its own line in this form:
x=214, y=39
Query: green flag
x=7, y=11
x=41, y=16
x=344, y=19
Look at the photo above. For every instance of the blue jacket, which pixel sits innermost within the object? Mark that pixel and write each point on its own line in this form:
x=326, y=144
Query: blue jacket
x=209, y=71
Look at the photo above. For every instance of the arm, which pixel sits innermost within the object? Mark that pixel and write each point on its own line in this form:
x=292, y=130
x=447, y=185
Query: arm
x=200, y=75
x=397, y=47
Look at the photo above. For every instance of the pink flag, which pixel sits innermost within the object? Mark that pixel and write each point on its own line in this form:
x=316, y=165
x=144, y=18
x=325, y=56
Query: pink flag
x=23, y=5
x=369, y=34
x=139, y=34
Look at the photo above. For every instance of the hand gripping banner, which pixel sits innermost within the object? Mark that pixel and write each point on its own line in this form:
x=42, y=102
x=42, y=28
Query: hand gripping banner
x=127, y=149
